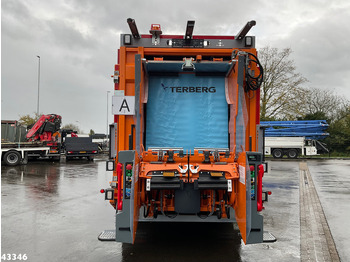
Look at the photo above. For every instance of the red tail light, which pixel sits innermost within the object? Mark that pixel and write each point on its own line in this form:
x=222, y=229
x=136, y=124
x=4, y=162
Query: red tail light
x=259, y=191
x=119, y=174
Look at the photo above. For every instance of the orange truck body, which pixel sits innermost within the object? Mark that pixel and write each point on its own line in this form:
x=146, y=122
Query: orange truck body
x=186, y=184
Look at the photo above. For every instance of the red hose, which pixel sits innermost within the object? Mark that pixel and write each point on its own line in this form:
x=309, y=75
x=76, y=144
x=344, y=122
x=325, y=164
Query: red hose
x=259, y=189
x=119, y=174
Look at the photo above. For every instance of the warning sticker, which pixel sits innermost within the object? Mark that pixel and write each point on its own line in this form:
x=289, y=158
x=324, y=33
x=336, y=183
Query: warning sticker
x=241, y=170
x=123, y=105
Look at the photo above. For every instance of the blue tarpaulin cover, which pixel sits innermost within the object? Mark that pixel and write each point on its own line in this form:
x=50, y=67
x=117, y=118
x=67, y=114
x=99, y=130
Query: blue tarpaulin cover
x=187, y=111
x=312, y=129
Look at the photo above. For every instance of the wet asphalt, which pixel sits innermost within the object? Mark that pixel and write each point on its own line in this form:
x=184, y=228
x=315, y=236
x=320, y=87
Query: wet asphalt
x=54, y=212
x=332, y=180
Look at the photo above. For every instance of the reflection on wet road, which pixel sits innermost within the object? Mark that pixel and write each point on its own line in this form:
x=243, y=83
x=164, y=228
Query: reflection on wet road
x=184, y=242
x=332, y=181
x=54, y=212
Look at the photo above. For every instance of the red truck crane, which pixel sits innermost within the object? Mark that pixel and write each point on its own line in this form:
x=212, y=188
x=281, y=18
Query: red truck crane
x=44, y=128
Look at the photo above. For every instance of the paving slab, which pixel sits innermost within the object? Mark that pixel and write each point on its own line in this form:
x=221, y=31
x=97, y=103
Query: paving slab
x=332, y=183
x=317, y=243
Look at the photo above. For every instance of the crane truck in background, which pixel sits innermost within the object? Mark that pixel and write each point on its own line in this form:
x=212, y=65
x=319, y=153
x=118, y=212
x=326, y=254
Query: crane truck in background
x=185, y=145
x=44, y=139
x=294, y=138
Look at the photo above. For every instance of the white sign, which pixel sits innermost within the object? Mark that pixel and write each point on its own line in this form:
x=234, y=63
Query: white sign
x=123, y=105
x=241, y=170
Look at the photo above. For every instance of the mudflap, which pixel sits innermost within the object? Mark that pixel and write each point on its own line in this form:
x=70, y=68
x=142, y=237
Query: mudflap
x=127, y=218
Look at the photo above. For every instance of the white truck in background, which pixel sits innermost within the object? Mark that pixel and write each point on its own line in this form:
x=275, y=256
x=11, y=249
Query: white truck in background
x=292, y=147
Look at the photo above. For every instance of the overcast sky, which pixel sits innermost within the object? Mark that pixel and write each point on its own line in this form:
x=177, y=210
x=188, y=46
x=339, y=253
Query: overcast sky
x=78, y=40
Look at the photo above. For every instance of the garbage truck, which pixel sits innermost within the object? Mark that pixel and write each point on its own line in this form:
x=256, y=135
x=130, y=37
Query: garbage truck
x=185, y=145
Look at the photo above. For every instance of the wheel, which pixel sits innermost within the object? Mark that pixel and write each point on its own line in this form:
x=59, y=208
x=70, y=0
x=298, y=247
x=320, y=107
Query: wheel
x=292, y=153
x=227, y=209
x=155, y=212
x=277, y=153
x=146, y=210
x=12, y=158
x=90, y=158
x=219, y=212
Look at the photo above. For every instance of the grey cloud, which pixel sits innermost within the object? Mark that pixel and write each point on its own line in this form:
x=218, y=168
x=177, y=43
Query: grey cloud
x=78, y=42
x=65, y=36
x=321, y=50
x=17, y=22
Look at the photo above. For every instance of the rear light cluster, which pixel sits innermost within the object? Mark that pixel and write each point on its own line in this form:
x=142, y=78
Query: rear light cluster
x=110, y=165
x=109, y=193
x=265, y=195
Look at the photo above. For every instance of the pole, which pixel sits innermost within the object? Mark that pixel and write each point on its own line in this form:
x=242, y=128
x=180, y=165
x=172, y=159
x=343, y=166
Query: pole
x=37, y=109
x=78, y=126
x=107, y=115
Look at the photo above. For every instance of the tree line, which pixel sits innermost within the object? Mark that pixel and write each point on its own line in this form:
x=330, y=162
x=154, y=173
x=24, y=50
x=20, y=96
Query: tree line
x=286, y=95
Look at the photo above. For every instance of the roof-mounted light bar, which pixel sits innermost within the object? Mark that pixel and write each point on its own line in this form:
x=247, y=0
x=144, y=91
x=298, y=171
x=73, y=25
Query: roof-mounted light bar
x=133, y=28
x=245, y=30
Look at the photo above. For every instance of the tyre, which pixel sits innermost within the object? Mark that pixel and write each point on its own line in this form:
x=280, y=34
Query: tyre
x=228, y=212
x=12, y=158
x=292, y=153
x=219, y=212
x=277, y=153
x=155, y=212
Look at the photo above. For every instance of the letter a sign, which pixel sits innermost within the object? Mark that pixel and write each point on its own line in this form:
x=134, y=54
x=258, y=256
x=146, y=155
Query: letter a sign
x=123, y=105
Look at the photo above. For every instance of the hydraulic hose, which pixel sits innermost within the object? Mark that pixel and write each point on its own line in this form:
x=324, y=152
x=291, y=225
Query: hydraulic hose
x=254, y=82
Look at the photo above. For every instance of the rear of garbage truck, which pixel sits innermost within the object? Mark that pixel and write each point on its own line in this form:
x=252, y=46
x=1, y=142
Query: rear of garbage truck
x=186, y=145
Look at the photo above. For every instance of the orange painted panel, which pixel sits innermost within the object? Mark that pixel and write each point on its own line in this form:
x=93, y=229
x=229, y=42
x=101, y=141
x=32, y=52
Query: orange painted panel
x=130, y=73
x=240, y=204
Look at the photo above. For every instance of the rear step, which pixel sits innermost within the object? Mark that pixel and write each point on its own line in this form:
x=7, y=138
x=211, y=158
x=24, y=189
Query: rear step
x=107, y=235
x=268, y=237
